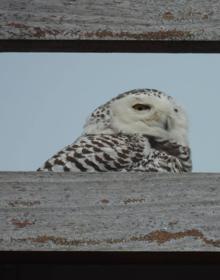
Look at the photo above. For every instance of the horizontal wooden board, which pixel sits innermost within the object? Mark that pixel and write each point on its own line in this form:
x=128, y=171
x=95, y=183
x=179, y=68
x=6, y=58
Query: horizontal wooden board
x=42, y=211
x=110, y=19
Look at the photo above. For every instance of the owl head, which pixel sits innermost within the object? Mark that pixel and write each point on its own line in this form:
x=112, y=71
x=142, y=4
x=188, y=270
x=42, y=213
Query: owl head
x=141, y=111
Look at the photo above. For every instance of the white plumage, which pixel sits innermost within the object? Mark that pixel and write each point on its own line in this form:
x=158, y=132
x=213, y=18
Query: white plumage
x=139, y=130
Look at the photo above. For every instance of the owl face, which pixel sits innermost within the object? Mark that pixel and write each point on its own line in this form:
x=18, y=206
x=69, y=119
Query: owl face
x=144, y=111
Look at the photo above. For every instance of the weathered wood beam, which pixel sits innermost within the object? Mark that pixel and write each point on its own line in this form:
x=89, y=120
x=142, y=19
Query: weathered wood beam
x=110, y=19
x=109, y=211
x=110, y=26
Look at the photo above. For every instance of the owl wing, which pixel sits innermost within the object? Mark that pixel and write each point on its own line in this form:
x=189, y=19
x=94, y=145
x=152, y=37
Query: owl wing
x=92, y=153
x=107, y=152
x=171, y=155
x=159, y=161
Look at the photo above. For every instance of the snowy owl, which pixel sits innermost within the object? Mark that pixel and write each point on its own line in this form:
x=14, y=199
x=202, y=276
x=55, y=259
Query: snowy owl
x=139, y=130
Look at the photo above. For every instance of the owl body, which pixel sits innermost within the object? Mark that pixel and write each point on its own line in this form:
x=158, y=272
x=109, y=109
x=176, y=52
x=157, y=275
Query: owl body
x=140, y=130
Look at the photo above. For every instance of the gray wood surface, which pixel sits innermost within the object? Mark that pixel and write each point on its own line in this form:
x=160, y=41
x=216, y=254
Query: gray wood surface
x=109, y=211
x=110, y=19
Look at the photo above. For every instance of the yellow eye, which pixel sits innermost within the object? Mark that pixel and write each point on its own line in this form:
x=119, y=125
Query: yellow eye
x=141, y=107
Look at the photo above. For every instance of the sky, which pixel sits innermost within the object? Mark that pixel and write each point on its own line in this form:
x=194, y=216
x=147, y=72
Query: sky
x=46, y=97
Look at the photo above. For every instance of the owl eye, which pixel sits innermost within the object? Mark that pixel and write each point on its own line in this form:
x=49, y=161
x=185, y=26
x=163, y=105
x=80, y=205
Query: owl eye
x=141, y=107
x=176, y=110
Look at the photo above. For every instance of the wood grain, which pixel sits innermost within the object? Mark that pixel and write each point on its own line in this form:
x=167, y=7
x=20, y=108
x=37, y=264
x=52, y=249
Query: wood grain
x=109, y=211
x=107, y=20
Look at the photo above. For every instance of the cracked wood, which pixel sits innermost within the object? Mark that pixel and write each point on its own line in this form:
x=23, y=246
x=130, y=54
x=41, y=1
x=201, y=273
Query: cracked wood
x=110, y=20
x=109, y=211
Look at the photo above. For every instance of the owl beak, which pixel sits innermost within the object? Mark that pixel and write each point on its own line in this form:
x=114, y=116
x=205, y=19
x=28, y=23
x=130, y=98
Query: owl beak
x=168, y=124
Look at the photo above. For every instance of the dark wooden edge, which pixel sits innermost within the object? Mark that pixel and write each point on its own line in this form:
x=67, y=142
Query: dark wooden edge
x=121, y=46
x=110, y=258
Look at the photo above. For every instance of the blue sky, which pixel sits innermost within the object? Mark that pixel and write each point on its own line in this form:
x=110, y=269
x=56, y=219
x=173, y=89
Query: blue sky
x=45, y=99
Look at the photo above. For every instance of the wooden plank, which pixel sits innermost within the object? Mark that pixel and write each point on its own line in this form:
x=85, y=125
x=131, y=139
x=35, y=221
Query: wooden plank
x=109, y=19
x=109, y=211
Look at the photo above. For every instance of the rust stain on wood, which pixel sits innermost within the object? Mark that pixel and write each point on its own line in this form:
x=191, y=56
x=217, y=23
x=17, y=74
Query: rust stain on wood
x=105, y=201
x=162, y=34
x=20, y=203
x=21, y=224
x=17, y=25
x=133, y=200
x=173, y=223
x=158, y=236
x=161, y=236
x=195, y=14
x=154, y=35
x=35, y=31
x=61, y=241
x=188, y=14
x=206, y=16
x=168, y=16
